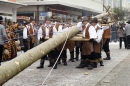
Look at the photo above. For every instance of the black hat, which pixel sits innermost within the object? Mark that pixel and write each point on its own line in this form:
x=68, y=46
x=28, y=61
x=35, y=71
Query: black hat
x=47, y=18
x=128, y=21
x=79, y=17
x=1, y=18
x=85, y=19
x=68, y=18
x=59, y=19
x=74, y=19
x=94, y=20
x=105, y=18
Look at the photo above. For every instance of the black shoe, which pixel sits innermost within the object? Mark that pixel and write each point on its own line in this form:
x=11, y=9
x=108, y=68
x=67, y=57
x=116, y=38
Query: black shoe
x=101, y=63
x=39, y=67
x=65, y=64
x=90, y=67
x=58, y=62
x=50, y=65
x=107, y=58
x=80, y=66
x=55, y=67
x=95, y=65
x=77, y=59
x=72, y=60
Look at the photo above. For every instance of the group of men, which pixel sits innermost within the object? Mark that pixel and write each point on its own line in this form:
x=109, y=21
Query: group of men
x=97, y=32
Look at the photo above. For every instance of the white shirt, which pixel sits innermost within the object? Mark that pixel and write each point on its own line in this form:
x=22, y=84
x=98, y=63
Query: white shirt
x=25, y=34
x=65, y=29
x=56, y=32
x=92, y=32
x=105, y=27
x=99, y=33
x=79, y=25
x=47, y=27
x=123, y=28
x=39, y=33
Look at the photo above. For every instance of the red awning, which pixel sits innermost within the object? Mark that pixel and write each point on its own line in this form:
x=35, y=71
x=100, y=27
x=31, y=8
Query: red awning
x=58, y=11
x=23, y=17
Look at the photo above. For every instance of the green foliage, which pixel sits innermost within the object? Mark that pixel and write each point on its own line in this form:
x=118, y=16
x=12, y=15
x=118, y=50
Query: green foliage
x=119, y=14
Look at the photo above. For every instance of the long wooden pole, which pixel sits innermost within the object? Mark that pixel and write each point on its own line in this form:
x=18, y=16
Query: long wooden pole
x=111, y=16
x=103, y=14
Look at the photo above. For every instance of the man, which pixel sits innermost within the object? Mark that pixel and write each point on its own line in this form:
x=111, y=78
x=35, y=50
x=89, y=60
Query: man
x=127, y=31
x=31, y=30
x=97, y=46
x=87, y=47
x=46, y=31
x=89, y=32
x=25, y=36
x=57, y=29
x=106, y=39
x=70, y=44
x=3, y=37
x=84, y=56
x=78, y=44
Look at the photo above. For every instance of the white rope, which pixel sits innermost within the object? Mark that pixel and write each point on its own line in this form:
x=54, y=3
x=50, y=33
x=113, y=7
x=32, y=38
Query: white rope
x=56, y=60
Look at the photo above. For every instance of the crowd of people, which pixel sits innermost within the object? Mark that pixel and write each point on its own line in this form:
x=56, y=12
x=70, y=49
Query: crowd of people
x=124, y=35
x=90, y=51
x=8, y=40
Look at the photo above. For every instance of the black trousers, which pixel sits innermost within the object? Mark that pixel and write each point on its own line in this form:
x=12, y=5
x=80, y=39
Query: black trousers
x=25, y=43
x=31, y=44
x=128, y=41
x=78, y=47
x=1, y=51
x=106, y=45
x=123, y=39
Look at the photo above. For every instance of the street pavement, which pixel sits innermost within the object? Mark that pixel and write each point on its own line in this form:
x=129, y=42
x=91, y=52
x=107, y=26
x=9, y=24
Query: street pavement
x=119, y=76
x=70, y=76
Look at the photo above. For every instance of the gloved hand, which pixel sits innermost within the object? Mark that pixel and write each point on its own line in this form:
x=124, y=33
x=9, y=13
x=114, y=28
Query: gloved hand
x=42, y=39
x=91, y=40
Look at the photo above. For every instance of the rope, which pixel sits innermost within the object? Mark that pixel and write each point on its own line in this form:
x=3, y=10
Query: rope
x=56, y=60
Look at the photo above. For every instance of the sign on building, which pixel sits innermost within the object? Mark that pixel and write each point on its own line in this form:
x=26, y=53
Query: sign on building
x=42, y=15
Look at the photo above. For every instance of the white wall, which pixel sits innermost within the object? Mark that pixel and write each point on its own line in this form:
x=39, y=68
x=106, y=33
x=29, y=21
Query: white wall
x=30, y=8
x=91, y=4
x=125, y=4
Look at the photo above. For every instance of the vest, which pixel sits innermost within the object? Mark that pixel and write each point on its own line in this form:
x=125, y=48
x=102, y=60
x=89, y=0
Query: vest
x=87, y=33
x=47, y=31
x=106, y=33
x=57, y=29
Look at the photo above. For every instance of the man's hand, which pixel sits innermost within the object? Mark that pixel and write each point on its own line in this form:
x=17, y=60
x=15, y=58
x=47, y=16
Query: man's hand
x=91, y=40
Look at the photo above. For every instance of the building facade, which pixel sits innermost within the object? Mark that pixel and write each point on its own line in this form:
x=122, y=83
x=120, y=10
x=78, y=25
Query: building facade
x=39, y=8
x=117, y=3
x=8, y=9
